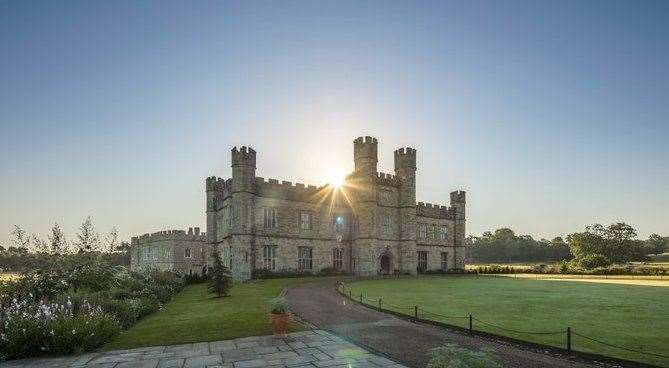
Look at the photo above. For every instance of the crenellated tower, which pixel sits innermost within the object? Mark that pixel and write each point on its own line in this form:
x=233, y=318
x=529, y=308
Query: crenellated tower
x=211, y=190
x=458, y=202
x=405, y=170
x=241, y=211
x=365, y=155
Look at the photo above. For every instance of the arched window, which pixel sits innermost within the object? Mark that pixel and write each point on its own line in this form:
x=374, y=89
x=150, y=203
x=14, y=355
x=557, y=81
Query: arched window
x=187, y=253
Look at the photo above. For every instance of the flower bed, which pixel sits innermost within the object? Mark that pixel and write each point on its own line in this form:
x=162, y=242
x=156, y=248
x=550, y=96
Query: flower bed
x=77, y=305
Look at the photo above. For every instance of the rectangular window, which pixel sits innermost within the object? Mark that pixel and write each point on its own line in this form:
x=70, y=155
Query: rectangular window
x=443, y=233
x=268, y=257
x=422, y=231
x=269, y=216
x=386, y=224
x=303, y=258
x=338, y=223
x=337, y=258
x=305, y=220
x=422, y=260
x=444, y=261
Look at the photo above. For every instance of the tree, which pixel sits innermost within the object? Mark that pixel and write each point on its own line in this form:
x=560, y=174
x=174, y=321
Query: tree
x=20, y=238
x=40, y=245
x=656, y=244
x=112, y=240
x=57, y=240
x=220, y=281
x=88, y=238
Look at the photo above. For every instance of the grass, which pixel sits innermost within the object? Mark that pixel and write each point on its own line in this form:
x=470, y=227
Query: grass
x=626, y=315
x=195, y=315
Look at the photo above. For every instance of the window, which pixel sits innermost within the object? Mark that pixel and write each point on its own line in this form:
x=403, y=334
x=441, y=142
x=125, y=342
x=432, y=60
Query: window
x=269, y=215
x=337, y=258
x=422, y=260
x=444, y=261
x=338, y=222
x=422, y=231
x=305, y=221
x=443, y=232
x=303, y=258
x=187, y=253
x=268, y=257
x=386, y=224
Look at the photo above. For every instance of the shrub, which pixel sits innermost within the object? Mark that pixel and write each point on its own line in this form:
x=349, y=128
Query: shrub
x=269, y=274
x=331, y=271
x=220, y=281
x=29, y=328
x=453, y=356
x=593, y=261
x=278, y=305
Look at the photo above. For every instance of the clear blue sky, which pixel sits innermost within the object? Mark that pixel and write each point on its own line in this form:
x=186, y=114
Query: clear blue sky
x=552, y=115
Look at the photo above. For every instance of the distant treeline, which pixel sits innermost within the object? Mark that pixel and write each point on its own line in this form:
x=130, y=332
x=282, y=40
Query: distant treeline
x=597, y=246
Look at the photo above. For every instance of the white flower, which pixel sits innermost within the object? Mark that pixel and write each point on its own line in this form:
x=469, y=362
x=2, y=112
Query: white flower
x=52, y=333
x=74, y=332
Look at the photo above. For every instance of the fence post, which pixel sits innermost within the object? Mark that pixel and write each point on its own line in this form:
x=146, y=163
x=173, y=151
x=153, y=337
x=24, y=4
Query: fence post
x=569, y=339
x=350, y=294
x=360, y=298
x=415, y=311
x=470, y=323
x=379, y=304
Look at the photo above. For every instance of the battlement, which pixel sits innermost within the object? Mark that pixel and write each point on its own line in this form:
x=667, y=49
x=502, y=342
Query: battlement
x=218, y=184
x=244, y=156
x=387, y=179
x=405, y=158
x=193, y=234
x=274, y=188
x=459, y=196
x=434, y=211
x=365, y=147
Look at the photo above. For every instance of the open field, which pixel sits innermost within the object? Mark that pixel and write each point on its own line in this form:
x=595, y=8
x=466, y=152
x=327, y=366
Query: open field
x=642, y=280
x=195, y=315
x=630, y=316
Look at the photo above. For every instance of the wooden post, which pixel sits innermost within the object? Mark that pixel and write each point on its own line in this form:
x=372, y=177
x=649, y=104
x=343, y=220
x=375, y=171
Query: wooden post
x=379, y=304
x=569, y=339
x=360, y=298
x=470, y=323
x=350, y=294
x=415, y=311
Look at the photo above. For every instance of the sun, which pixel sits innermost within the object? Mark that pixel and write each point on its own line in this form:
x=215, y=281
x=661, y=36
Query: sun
x=336, y=178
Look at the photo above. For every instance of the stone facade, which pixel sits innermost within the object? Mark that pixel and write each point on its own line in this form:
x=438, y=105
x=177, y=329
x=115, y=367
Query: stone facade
x=177, y=250
x=371, y=225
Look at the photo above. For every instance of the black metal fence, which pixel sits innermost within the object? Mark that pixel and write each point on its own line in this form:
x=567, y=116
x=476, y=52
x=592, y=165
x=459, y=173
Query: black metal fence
x=417, y=313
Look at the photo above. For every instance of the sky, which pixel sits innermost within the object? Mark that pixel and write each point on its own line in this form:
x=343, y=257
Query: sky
x=552, y=115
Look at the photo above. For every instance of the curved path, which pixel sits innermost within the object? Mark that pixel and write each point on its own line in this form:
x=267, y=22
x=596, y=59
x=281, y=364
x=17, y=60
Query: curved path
x=408, y=343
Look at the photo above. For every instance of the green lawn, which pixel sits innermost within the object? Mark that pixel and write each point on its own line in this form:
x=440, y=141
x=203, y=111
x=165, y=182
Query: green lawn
x=195, y=315
x=628, y=315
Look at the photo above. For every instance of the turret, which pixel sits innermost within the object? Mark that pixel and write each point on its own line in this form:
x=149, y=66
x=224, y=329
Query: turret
x=243, y=169
x=211, y=191
x=458, y=201
x=405, y=169
x=365, y=155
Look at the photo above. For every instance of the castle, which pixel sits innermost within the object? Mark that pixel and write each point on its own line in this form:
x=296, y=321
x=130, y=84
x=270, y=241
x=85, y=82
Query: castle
x=371, y=225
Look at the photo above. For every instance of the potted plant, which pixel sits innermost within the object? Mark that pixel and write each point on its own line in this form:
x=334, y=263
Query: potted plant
x=278, y=315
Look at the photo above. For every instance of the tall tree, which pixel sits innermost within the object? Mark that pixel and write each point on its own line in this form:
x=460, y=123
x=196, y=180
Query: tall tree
x=112, y=240
x=57, y=240
x=20, y=238
x=657, y=244
x=88, y=238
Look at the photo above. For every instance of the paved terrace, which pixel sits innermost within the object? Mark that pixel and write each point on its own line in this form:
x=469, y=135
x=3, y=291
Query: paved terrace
x=298, y=350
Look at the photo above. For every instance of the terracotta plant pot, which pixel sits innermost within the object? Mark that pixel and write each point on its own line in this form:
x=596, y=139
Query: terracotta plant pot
x=279, y=323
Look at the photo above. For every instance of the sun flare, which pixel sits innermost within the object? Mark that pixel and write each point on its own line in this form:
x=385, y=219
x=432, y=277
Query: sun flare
x=336, y=178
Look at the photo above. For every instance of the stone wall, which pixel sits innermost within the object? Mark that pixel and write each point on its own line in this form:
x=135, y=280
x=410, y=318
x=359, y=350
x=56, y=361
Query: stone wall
x=167, y=250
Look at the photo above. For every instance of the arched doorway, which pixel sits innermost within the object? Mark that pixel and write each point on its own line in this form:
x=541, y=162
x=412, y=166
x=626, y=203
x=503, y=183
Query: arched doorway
x=386, y=264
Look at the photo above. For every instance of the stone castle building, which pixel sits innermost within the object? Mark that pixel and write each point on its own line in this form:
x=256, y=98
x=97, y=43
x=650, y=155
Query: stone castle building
x=186, y=253
x=370, y=225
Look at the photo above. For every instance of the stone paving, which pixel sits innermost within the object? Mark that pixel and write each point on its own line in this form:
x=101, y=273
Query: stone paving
x=311, y=349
